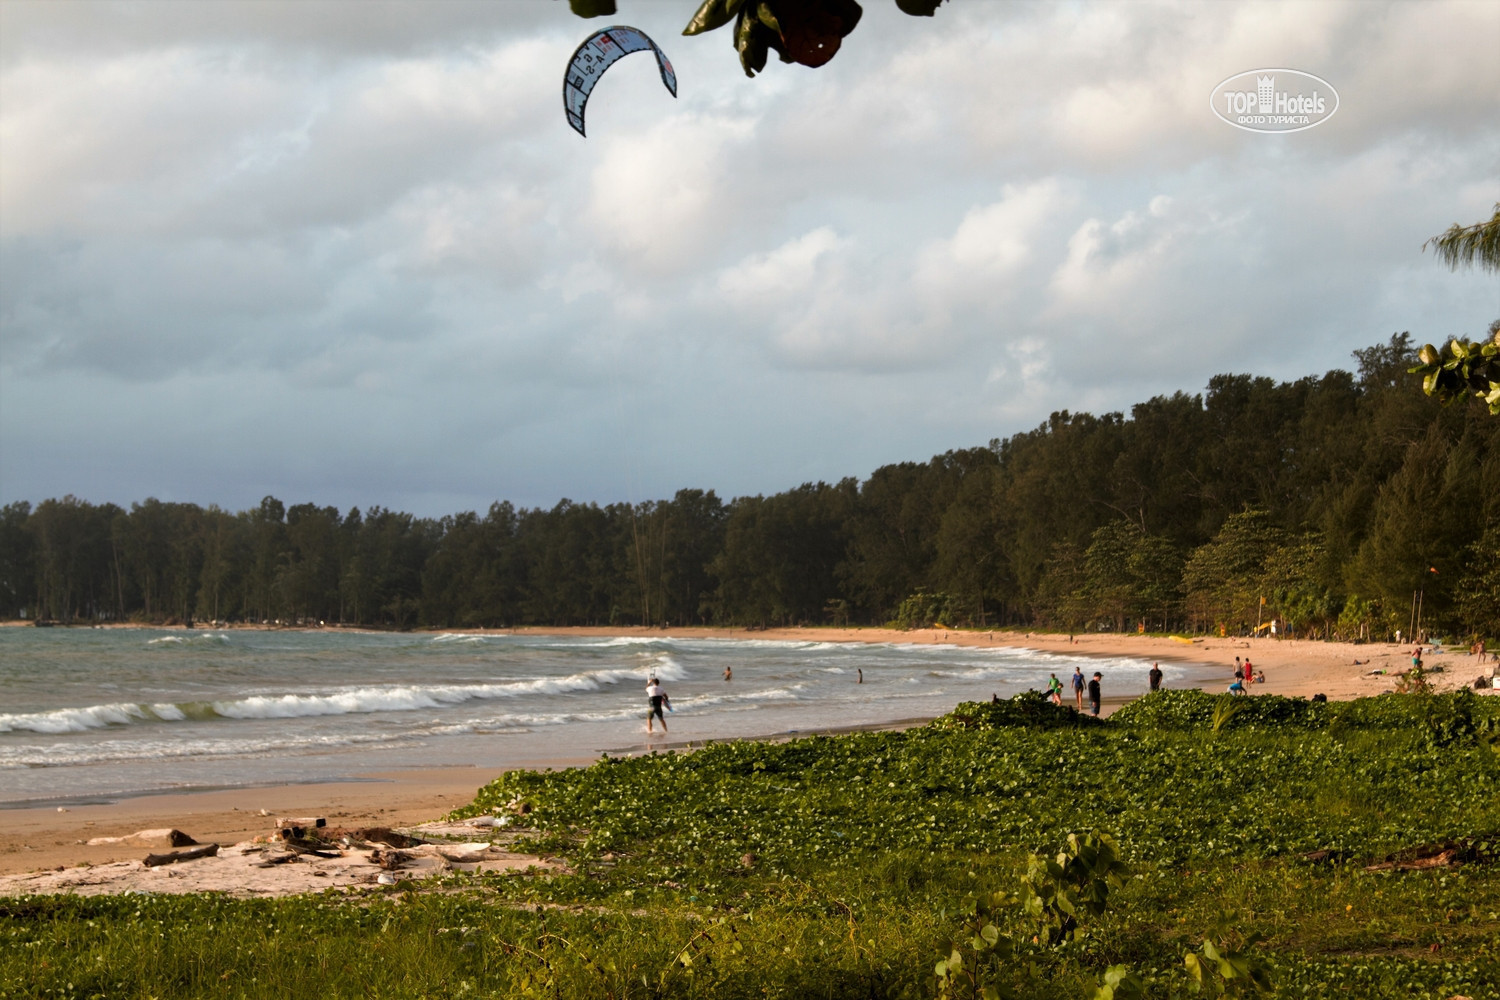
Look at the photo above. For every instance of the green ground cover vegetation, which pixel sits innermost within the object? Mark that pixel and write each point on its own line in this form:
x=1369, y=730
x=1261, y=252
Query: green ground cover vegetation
x=931, y=862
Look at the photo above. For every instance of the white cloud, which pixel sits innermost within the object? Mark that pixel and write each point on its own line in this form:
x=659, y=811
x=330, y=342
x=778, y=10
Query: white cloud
x=1107, y=260
x=992, y=246
x=658, y=199
x=769, y=280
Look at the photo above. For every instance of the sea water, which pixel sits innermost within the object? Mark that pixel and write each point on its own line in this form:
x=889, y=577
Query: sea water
x=92, y=715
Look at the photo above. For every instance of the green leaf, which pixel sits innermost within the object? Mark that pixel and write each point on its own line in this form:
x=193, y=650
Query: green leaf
x=591, y=8
x=750, y=40
x=712, y=14
x=767, y=16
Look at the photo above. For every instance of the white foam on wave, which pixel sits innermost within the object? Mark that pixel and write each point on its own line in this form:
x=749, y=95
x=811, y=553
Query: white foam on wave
x=180, y=640
x=773, y=693
x=82, y=720
x=742, y=697
x=617, y=641
x=72, y=720
x=349, y=701
x=986, y=671
x=460, y=637
x=412, y=697
x=664, y=667
x=113, y=751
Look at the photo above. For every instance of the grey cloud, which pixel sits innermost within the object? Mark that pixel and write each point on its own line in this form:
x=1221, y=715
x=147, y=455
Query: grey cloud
x=343, y=27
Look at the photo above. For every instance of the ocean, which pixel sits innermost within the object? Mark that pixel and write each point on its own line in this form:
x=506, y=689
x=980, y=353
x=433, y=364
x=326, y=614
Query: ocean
x=94, y=715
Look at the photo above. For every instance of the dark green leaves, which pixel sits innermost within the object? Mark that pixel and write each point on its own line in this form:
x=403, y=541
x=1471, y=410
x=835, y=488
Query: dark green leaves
x=711, y=15
x=1120, y=983
x=919, y=8
x=1056, y=892
x=804, y=31
x=1469, y=368
x=591, y=8
x=1224, y=971
x=753, y=40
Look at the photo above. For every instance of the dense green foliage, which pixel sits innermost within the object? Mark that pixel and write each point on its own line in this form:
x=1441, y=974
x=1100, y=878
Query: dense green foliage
x=852, y=866
x=1335, y=499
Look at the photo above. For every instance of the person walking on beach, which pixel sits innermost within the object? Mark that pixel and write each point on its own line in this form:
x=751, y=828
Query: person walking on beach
x=1054, y=690
x=656, y=698
x=1155, y=677
x=1078, y=687
x=1095, y=694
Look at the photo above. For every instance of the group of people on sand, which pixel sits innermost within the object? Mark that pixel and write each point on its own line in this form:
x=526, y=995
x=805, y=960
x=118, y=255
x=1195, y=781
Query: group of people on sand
x=1245, y=675
x=1092, y=687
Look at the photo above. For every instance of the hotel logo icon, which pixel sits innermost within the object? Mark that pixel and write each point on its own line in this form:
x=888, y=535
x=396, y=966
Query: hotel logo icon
x=1265, y=90
x=1274, y=100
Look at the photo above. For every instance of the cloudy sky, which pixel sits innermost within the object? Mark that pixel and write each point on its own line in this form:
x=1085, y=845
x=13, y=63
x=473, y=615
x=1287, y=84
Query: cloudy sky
x=351, y=253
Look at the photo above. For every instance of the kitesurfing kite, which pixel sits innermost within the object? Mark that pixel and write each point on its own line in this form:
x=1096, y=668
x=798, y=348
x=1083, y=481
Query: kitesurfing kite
x=597, y=53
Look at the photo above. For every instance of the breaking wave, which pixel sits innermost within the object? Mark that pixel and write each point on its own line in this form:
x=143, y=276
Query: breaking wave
x=350, y=701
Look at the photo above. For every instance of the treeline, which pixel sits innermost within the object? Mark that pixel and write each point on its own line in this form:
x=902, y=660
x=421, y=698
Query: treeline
x=1332, y=504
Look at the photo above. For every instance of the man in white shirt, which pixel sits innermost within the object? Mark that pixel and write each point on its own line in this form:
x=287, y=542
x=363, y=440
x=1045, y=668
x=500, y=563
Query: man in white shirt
x=657, y=699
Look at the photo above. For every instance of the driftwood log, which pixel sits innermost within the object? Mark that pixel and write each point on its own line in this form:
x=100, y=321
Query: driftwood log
x=157, y=860
x=316, y=848
x=390, y=860
x=384, y=835
x=301, y=822
x=1442, y=859
x=280, y=859
x=165, y=837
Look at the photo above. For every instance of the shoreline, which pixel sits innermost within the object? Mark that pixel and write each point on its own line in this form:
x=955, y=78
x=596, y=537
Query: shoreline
x=36, y=837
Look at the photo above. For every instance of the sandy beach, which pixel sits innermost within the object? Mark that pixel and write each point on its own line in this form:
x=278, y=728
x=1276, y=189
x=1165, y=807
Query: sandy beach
x=36, y=839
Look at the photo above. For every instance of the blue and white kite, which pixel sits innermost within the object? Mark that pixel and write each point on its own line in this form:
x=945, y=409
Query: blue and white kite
x=597, y=53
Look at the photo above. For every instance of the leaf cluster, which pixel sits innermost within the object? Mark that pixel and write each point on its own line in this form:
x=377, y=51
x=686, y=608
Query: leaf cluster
x=1058, y=891
x=1221, y=971
x=1030, y=709
x=798, y=31
x=1469, y=368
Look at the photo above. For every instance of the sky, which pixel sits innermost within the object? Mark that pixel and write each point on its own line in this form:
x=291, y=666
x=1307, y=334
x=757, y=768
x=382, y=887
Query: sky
x=352, y=254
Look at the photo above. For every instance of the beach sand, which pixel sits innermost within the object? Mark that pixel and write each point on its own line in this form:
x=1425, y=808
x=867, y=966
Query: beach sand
x=35, y=839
